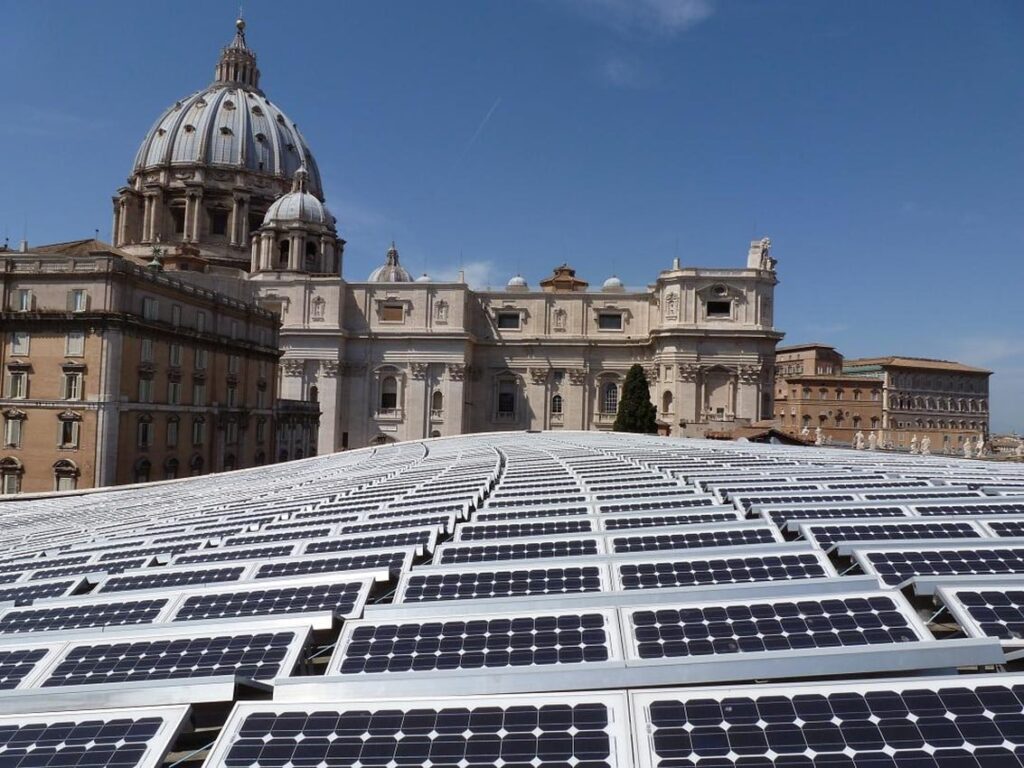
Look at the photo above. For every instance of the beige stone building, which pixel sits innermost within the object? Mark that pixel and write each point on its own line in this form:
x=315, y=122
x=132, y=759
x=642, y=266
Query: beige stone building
x=902, y=400
x=117, y=373
x=225, y=184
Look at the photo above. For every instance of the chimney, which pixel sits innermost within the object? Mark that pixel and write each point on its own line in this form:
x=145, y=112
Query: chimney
x=675, y=263
x=462, y=275
x=23, y=246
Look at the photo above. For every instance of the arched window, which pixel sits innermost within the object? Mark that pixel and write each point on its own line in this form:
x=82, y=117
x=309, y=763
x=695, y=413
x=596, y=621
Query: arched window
x=283, y=456
x=874, y=422
x=195, y=466
x=388, y=393
x=171, y=468
x=435, y=433
x=141, y=470
x=311, y=256
x=298, y=453
x=856, y=422
x=282, y=254
x=609, y=397
x=261, y=459
x=437, y=402
x=229, y=462
x=314, y=394
x=556, y=405
x=667, y=402
x=806, y=420
x=65, y=475
x=506, y=398
x=11, y=471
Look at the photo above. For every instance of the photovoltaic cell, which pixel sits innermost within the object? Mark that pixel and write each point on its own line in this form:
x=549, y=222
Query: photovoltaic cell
x=690, y=540
x=483, y=643
x=527, y=550
x=722, y=570
x=911, y=724
x=502, y=583
x=255, y=656
x=780, y=626
x=165, y=579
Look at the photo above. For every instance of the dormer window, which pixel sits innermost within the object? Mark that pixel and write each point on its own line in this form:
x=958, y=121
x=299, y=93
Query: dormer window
x=257, y=111
x=508, y=320
x=719, y=309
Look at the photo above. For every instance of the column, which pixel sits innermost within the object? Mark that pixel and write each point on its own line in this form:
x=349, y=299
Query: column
x=328, y=438
x=193, y=225
x=416, y=413
x=454, y=399
x=537, y=398
x=293, y=252
x=688, y=394
x=575, y=400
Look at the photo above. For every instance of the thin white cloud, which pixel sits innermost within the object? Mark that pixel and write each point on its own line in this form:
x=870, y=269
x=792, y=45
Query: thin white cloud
x=663, y=17
x=479, y=274
x=621, y=72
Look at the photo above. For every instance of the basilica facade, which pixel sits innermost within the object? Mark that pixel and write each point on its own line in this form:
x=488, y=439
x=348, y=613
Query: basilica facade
x=225, y=190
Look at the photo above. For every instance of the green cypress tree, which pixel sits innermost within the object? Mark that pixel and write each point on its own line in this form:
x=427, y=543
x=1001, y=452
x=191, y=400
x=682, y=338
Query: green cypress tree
x=636, y=412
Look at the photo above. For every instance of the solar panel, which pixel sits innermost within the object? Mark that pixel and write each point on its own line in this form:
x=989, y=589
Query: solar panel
x=987, y=610
x=475, y=642
x=568, y=547
x=964, y=508
x=119, y=738
x=933, y=722
x=477, y=532
x=424, y=538
x=422, y=585
x=588, y=731
x=898, y=566
x=81, y=614
x=726, y=537
x=395, y=562
x=251, y=653
x=625, y=522
x=38, y=590
x=170, y=577
x=781, y=515
x=1005, y=528
x=695, y=571
x=828, y=535
x=226, y=555
x=20, y=663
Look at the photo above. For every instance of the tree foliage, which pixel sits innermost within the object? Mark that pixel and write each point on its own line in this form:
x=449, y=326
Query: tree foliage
x=636, y=412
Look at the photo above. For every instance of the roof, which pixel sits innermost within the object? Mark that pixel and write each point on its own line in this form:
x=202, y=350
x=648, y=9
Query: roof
x=809, y=377
x=925, y=363
x=84, y=247
x=809, y=345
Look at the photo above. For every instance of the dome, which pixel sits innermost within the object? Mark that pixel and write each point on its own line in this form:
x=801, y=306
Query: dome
x=424, y=278
x=517, y=282
x=229, y=125
x=612, y=284
x=390, y=271
x=299, y=206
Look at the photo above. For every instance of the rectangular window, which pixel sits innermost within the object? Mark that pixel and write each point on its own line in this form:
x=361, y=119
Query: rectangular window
x=12, y=433
x=175, y=315
x=200, y=359
x=232, y=363
x=20, y=341
x=199, y=393
x=234, y=329
x=72, y=386
x=17, y=385
x=11, y=482
x=145, y=434
x=719, y=309
x=231, y=433
x=74, y=345
x=174, y=392
x=150, y=308
x=506, y=399
x=178, y=217
x=218, y=222
x=21, y=300
x=261, y=398
x=145, y=390
x=78, y=300
x=198, y=432
x=261, y=430
x=392, y=313
x=232, y=397
x=172, y=433
x=69, y=434
x=174, y=355
x=201, y=322
x=609, y=321
x=66, y=483
x=508, y=321
x=146, y=351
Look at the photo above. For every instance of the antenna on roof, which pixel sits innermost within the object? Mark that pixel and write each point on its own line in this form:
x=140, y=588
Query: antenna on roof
x=96, y=233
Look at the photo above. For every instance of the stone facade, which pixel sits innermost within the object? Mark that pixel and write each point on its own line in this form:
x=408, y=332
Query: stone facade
x=115, y=373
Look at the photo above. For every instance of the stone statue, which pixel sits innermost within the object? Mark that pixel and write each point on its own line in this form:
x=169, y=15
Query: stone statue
x=968, y=452
x=858, y=441
x=1019, y=450
x=979, y=446
x=926, y=445
x=819, y=436
x=872, y=442
x=806, y=432
x=913, y=443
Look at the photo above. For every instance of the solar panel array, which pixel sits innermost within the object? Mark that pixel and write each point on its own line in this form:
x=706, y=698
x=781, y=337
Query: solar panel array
x=519, y=600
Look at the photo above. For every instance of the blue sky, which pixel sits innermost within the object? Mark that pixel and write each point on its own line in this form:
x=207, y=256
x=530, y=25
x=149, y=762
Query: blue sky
x=879, y=144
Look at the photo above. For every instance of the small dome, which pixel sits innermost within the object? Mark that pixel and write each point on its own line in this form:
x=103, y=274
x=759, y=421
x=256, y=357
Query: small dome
x=517, y=282
x=299, y=205
x=424, y=278
x=612, y=284
x=390, y=271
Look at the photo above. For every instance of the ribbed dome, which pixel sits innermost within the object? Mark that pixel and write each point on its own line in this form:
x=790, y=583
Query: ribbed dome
x=390, y=271
x=517, y=282
x=231, y=125
x=612, y=285
x=299, y=206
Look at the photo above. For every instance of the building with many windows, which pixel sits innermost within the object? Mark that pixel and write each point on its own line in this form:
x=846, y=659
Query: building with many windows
x=118, y=373
x=225, y=180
